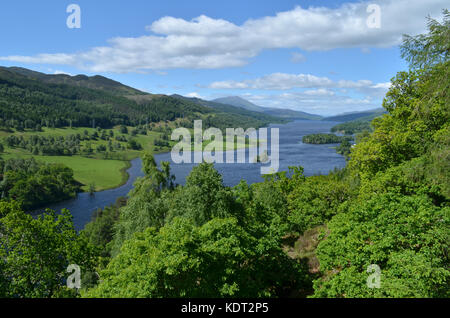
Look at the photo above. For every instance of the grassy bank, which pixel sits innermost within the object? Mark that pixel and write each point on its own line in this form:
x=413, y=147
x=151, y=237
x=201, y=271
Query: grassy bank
x=104, y=174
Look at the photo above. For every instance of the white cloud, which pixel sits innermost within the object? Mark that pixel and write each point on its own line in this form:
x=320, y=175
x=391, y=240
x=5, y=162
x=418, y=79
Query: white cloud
x=57, y=72
x=321, y=104
x=276, y=81
x=206, y=43
x=194, y=95
x=319, y=92
x=322, y=85
x=382, y=85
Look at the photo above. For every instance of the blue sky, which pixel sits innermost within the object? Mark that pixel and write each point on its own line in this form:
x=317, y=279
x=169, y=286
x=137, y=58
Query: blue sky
x=316, y=56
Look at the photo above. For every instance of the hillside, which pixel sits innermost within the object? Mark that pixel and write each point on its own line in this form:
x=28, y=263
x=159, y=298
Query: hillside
x=93, y=82
x=239, y=102
x=291, y=114
x=30, y=99
x=366, y=115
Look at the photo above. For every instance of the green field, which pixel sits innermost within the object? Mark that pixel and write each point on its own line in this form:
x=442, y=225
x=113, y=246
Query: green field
x=94, y=170
x=104, y=174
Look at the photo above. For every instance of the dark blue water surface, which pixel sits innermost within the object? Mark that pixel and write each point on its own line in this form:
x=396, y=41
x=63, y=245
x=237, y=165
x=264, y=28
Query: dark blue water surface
x=315, y=159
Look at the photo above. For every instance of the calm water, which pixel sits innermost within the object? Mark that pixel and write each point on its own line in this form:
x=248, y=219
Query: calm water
x=316, y=159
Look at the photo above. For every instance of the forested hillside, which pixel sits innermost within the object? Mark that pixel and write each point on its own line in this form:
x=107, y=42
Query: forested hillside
x=30, y=100
x=95, y=82
x=363, y=116
x=324, y=139
x=290, y=235
x=353, y=127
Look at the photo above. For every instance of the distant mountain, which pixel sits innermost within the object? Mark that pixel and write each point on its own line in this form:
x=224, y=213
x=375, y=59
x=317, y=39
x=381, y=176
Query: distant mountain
x=231, y=109
x=239, y=102
x=364, y=115
x=291, y=114
x=282, y=113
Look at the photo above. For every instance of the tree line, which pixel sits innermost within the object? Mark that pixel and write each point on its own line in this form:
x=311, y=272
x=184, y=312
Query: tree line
x=33, y=184
x=325, y=139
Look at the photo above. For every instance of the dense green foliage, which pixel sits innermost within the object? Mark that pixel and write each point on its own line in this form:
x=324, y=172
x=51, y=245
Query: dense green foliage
x=35, y=253
x=353, y=127
x=34, y=184
x=202, y=239
x=101, y=230
x=217, y=259
x=361, y=116
x=315, y=201
x=344, y=148
x=406, y=236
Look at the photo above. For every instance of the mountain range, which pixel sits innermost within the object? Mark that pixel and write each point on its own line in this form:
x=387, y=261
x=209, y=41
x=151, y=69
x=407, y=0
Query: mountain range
x=29, y=99
x=62, y=100
x=278, y=112
x=366, y=115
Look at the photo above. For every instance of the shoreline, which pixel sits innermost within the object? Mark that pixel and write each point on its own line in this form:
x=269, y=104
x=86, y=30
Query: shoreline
x=124, y=173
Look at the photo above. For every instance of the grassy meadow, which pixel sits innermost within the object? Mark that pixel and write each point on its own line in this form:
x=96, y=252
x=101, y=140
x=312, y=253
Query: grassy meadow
x=101, y=171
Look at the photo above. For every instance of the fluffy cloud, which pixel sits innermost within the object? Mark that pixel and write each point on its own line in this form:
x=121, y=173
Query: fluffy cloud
x=319, y=92
x=323, y=103
x=206, y=43
x=58, y=72
x=283, y=81
x=194, y=95
x=276, y=81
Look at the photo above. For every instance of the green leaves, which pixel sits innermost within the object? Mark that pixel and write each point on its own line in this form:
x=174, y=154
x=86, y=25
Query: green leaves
x=203, y=198
x=35, y=253
x=315, y=201
x=379, y=231
x=33, y=184
x=218, y=259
